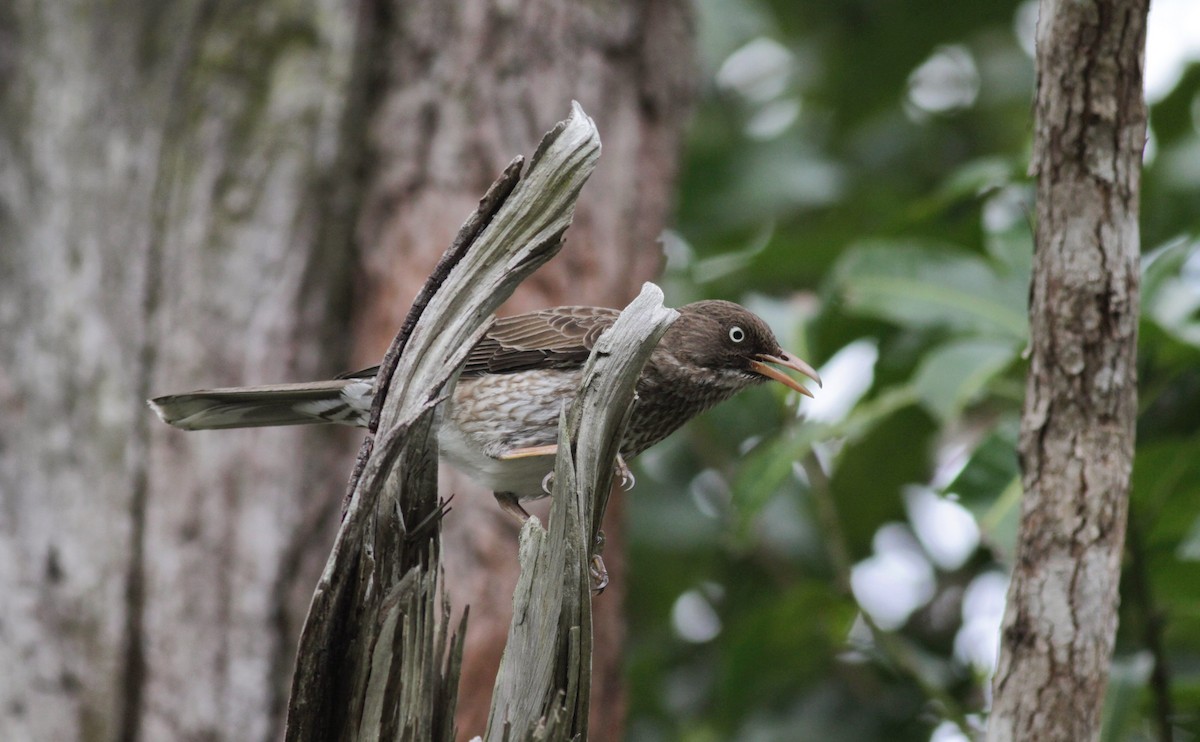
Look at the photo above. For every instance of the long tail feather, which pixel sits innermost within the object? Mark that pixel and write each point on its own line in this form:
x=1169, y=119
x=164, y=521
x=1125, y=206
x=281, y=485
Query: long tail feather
x=345, y=401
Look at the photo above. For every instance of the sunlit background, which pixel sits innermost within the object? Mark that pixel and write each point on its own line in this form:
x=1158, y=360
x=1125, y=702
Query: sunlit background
x=837, y=567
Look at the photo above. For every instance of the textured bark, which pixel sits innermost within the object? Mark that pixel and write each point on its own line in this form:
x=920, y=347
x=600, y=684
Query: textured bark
x=373, y=662
x=179, y=185
x=1077, y=434
x=466, y=85
x=165, y=223
x=543, y=686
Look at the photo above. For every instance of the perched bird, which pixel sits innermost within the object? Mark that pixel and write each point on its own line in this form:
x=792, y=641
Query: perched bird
x=501, y=424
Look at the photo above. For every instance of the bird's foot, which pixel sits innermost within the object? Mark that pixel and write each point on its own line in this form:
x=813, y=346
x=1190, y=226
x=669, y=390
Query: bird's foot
x=598, y=574
x=627, y=479
x=597, y=571
x=624, y=475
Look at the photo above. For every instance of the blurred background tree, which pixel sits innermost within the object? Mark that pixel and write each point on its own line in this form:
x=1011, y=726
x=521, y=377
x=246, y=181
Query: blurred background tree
x=856, y=173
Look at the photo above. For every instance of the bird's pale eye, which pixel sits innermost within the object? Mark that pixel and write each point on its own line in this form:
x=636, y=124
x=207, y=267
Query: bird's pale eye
x=737, y=334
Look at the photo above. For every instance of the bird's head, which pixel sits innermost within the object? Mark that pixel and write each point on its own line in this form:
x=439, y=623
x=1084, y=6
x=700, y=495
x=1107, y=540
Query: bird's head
x=731, y=347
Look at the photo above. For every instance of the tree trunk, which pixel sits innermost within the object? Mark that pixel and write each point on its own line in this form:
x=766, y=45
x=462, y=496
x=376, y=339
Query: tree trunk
x=1077, y=432
x=166, y=223
x=179, y=188
x=466, y=86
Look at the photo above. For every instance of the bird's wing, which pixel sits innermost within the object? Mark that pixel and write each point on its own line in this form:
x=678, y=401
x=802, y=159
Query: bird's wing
x=550, y=338
x=562, y=337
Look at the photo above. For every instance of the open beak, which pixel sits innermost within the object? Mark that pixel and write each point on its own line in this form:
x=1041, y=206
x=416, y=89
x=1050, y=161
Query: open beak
x=787, y=360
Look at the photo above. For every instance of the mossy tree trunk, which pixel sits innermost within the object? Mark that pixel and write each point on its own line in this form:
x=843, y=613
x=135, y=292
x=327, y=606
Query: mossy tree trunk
x=165, y=222
x=198, y=193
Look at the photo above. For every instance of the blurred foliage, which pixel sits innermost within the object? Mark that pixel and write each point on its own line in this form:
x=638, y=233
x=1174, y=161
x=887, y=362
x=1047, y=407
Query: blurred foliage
x=856, y=174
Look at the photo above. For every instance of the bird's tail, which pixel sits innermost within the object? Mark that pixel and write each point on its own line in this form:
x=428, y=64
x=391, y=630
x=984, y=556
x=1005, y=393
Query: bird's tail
x=345, y=401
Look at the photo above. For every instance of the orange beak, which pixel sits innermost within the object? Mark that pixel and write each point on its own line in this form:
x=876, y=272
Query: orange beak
x=787, y=360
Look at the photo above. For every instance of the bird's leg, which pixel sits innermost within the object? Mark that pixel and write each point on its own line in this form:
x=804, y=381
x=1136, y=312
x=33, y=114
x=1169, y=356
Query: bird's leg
x=623, y=472
x=597, y=572
x=511, y=505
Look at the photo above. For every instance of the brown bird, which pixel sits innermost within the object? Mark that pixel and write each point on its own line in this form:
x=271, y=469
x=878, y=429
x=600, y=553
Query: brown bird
x=501, y=426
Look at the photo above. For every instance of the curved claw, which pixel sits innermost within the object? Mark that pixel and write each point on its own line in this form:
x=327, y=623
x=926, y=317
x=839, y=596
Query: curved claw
x=627, y=478
x=598, y=574
x=548, y=483
x=628, y=481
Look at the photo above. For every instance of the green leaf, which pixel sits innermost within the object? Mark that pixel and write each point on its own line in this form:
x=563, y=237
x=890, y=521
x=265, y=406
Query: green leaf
x=1169, y=297
x=870, y=473
x=968, y=182
x=999, y=523
x=1162, y=264
x=952, y=376
x=1012, y=247
x=992, y=465
x=1126, y=681
x=990, y=486
x=806, y=622
x=1166, y=479
x=922, y=287
x=1189, y=546
x=766, y=468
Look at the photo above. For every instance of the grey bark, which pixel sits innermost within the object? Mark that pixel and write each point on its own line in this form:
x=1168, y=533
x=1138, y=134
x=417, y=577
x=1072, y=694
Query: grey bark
x=1077, y=433
x=165, y=222
x=371, y=654
x=179, y=207
x=544, y=682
